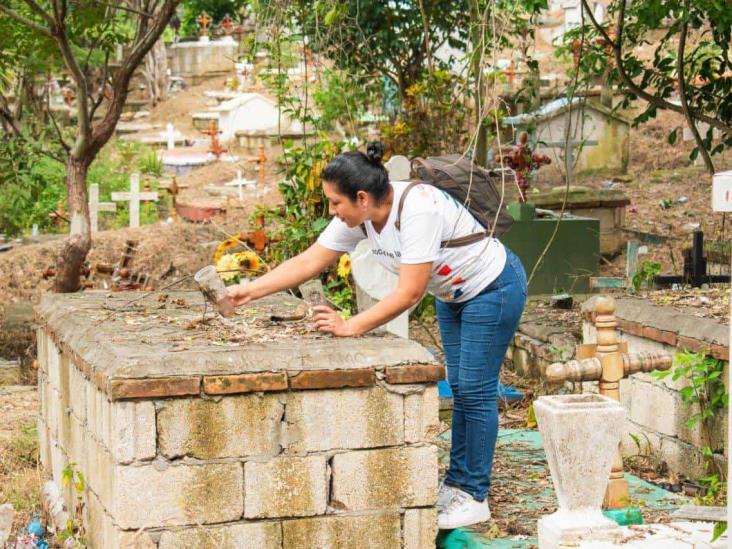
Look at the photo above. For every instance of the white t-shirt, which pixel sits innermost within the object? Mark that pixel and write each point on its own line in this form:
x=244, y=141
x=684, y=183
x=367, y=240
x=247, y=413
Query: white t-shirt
x=429, y=216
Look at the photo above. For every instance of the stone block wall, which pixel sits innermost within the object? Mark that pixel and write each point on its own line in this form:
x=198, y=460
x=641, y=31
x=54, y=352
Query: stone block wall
x=196, y=61
x=657, y=415
x=323, y=458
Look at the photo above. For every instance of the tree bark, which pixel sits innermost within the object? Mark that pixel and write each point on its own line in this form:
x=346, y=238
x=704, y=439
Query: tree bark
x=156, y=73
x=78, y=244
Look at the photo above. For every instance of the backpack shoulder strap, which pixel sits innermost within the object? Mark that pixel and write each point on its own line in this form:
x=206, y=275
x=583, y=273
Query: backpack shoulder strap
x=398, y=221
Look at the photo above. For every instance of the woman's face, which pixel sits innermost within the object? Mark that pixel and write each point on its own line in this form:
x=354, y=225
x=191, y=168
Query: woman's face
x=340, y=206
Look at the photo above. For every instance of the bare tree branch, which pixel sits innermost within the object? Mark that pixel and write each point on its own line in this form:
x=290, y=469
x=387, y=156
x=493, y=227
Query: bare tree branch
x=682, y=96
x=25, y=21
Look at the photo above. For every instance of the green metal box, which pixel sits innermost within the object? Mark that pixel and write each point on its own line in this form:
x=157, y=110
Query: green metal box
x=570, y=261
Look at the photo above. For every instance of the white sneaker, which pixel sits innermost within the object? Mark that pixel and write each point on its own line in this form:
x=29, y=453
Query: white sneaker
x=444, y=495
x=462, y=510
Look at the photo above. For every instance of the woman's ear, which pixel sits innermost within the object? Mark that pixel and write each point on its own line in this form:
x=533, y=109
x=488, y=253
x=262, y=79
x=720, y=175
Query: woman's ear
x=362, y=199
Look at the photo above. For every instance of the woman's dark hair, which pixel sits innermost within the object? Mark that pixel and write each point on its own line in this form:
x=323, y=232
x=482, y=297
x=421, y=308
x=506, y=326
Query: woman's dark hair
x=355, y=171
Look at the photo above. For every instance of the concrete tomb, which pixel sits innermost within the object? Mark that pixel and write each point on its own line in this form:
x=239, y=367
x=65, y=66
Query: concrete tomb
x=255, y=431
x=197, y=61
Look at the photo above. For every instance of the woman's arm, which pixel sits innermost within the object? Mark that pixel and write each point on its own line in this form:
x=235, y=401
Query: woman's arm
x=413, y=281
x=289, y=274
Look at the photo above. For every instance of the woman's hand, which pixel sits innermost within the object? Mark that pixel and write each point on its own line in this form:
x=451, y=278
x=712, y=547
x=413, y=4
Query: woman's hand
x=328, y=320
x=239, y=294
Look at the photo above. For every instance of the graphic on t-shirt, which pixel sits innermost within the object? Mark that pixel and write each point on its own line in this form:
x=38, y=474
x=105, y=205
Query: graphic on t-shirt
x=428, y=218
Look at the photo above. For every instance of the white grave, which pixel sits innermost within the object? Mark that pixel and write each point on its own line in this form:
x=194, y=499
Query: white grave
x=374, y=282
x=248, y=112
x=134, y=197
x=95, y=207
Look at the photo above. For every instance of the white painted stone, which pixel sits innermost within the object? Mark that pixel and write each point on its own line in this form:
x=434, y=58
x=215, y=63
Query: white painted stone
x=54, y=364
x=7, y=514
x=421, y=415
x=236, y=426
x=285, y=487
x=248, y=112
x=393, y=477
x=78, y=393
x=177, y=495
x=676, y=535
x=420, y=529
x=257, y=534
x=399, y=168
x=581, y=435
x=343, y=419
x=133, y=431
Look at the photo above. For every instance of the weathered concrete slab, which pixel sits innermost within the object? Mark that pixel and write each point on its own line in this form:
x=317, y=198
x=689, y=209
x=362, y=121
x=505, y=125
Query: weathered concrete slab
x=166, y=345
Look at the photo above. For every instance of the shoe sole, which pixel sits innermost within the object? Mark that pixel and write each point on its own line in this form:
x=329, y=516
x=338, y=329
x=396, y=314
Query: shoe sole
x=463, y=524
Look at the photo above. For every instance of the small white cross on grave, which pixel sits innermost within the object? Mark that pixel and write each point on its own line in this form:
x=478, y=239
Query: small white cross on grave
x=239, y=182
x=95, y=207
x=134, y=197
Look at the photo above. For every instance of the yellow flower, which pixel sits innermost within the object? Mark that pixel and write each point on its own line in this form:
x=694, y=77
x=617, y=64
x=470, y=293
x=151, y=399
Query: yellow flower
x=225, y=246
x=248, y=261
x=344, y=266
x=228, y=267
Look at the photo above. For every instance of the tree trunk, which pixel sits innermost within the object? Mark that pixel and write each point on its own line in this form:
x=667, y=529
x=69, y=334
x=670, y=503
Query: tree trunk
x=77, y=245
x=156, y=72
x=477, y=38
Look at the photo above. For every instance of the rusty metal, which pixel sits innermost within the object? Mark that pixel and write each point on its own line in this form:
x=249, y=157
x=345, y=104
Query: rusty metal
x=213, y=132
x=522, y=160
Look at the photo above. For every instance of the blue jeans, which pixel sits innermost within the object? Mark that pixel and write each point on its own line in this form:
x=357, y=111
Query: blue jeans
x=475, y=335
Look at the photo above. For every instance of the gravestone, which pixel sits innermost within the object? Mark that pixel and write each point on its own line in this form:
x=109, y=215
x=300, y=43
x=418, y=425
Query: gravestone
x=374, y=282
x=245, y=432
x=134, y=197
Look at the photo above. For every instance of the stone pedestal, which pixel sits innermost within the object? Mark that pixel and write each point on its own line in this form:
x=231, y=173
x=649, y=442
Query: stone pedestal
x=227, y=434
x=581, y=435
x=196, y=61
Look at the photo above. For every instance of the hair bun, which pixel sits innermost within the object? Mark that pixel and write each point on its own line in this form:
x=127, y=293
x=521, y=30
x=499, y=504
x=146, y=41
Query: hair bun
x=375, y=152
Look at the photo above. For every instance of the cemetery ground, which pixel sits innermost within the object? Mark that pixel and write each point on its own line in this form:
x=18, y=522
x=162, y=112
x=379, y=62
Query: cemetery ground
x=522, y=489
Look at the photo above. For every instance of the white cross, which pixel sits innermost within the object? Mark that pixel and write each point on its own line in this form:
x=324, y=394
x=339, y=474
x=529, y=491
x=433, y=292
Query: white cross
x=134, y=197
x=239, y=182
x=170, y=135
x=95, y=207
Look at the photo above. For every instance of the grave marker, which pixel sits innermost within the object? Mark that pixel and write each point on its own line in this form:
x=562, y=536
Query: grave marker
x=170, y=136
x=204, y=21
x=95, y=207
x=569, y=146
x=607, y=362
x=399, y=168
x=134, y=197
x=239, y=183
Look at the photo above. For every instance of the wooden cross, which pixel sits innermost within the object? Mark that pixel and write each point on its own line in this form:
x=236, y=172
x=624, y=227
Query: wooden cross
x=173, y=188
x=59, y=215
x=239, y=31
x=607, y=362
x=204, y=20
x=262, y=161
x=134, y=197
x=213, y=131
x=95, y=207
x=227, y=25
x=510, y=73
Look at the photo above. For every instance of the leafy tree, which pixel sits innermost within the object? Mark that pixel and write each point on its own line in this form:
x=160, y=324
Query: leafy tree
x=82, y=37
x=690, y=58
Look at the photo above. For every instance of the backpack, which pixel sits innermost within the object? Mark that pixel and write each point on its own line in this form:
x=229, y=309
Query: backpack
x=472, y=186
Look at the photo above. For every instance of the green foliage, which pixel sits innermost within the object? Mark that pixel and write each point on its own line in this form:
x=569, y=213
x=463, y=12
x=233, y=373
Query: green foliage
x=706, y=393
x=645, y=275
x=32, y=184
x=433, y=120
x=340, y=292
x=706, y=60
x=74, y=527
x=342, y=98
x=719, y=529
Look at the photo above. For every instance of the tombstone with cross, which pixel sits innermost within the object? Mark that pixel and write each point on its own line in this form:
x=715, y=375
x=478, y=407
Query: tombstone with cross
x=134, y=197
x=204, y=20
x=95, y=207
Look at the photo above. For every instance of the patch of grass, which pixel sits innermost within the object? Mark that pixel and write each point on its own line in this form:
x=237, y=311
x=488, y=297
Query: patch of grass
x=19, y=477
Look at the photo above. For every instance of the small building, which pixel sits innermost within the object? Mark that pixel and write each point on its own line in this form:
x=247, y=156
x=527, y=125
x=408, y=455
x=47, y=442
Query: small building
x=601, y=136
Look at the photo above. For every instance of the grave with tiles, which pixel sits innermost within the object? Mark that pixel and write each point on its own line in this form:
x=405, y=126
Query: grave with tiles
x=256, y=431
